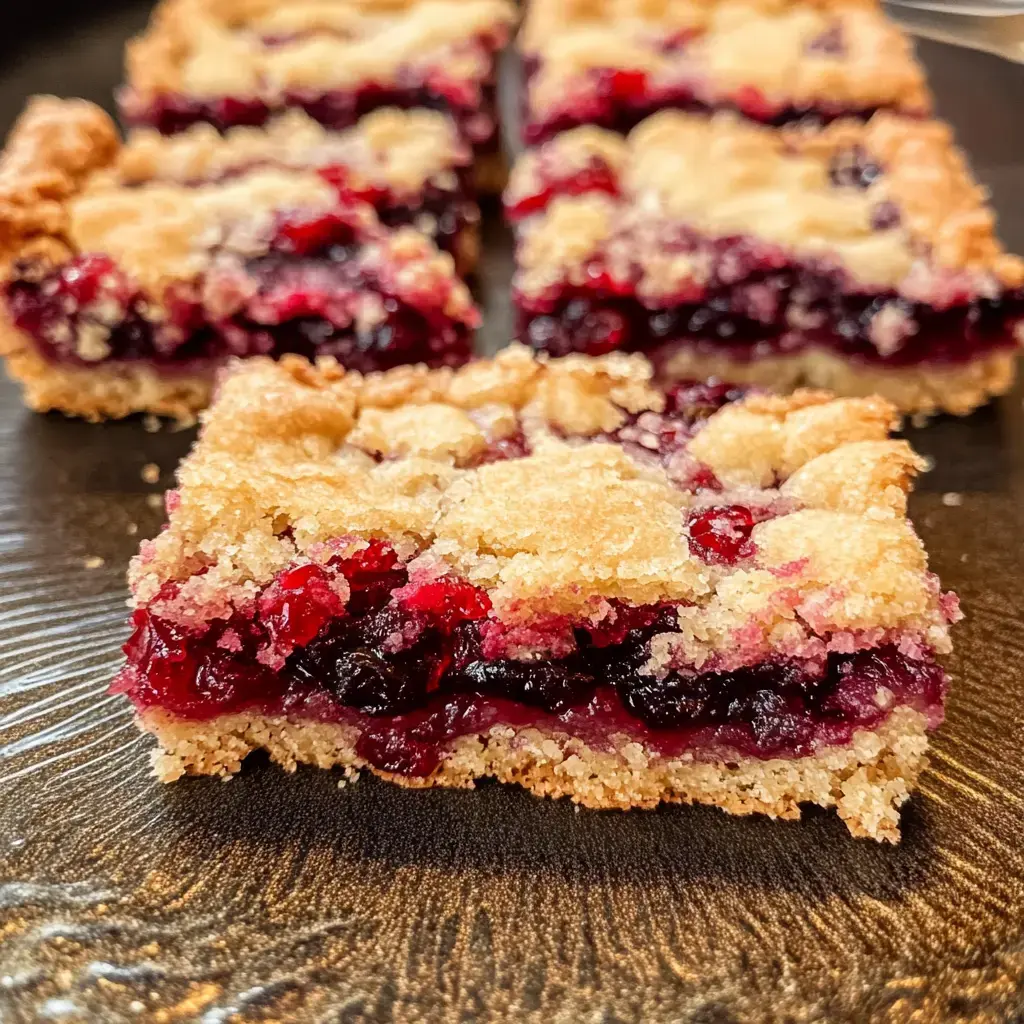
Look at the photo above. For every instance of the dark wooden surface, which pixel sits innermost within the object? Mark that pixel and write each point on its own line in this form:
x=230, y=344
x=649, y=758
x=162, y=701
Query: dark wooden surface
x=281, y=897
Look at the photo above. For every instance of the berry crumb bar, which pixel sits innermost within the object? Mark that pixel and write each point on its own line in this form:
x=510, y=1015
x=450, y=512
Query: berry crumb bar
x=614, y=62
x=860, y=257
x=129, y=274
x=240, y=62
x=549, y=572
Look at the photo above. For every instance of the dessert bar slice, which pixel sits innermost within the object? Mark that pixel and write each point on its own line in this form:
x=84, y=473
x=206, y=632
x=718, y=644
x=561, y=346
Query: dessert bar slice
x=238, y=63
x=124, y=295
x=548, y=572
x=410, y=165
x=614, y=62
x=860, y=258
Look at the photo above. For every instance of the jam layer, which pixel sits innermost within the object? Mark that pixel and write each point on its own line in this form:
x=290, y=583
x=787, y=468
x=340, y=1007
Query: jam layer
x=310, y=294
x=417, y=664
x=758, y=318
x=472, y=108
x=620, y=99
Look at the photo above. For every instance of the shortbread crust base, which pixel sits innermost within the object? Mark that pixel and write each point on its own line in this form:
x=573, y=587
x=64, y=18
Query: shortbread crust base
x=927, y=390
x=866, y=781
x=103, y=391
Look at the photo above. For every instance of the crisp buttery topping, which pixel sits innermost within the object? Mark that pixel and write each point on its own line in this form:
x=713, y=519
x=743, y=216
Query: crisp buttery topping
x=890, y=202
x=254, y=48
x=794, y=54
x=398, y=149
x=295, y=460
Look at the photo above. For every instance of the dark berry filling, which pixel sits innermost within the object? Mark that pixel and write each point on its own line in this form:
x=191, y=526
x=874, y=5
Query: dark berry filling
x=620, y=99
x=594, y=176
x=301, y=297
x=773, y=311
x=472, y=104
x=445, y=215
x=404, y=660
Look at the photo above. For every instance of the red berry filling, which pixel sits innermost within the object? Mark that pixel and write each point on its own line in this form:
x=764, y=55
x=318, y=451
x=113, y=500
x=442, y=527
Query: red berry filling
x=404, y=661
x=445, y=215
x=471, y=102
x=303, y=296
x=595, y=176
x=620, y=99
x=721, y=535
x=756, y=317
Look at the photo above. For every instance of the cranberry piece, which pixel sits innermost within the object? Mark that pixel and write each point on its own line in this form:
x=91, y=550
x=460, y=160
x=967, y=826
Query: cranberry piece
x=755, y=105
x=401, y=332
x=231, y=111
x=295, y=607
x=88, y=278
x=447, y=602
x=852, y=168
x=514, y=446
x=697, y=400
x=551, y=685
x=372, y=573
x=721, y=535
x=340, y=178
x=396, y=751
x=624, y=85
x=595, y=176
x=309, y=234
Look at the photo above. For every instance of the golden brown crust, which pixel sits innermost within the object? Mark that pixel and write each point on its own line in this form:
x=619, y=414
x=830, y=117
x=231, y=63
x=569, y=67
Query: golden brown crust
x=776, y=187
x=866, y=781
x=53, y=149
x=215, y=49
x=106, y=391
x=920, y=391
x=565, y=529
x=771, y=47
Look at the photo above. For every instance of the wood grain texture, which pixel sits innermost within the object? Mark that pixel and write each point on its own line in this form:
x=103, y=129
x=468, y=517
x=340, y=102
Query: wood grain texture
x=286, y=898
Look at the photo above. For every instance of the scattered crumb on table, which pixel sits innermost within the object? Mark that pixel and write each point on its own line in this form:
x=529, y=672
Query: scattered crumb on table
x=94, y=562
x=155, y=501
x=150, y=423
x=131, y=529
x=952, y=499
x=151, y=472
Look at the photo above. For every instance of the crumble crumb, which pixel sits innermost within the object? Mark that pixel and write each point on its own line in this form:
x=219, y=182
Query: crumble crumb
x=155, y=501
x=94, y=562
x=151, y=473
x=952, y=499
x=150, y=423
x=131, y=529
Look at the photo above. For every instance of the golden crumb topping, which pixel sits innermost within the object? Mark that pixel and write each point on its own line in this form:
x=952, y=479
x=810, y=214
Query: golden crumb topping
x=255, y=49
x=840, y=56
x=400, y=149
x=890, y=201
x=294, y=460
x=54, y=147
